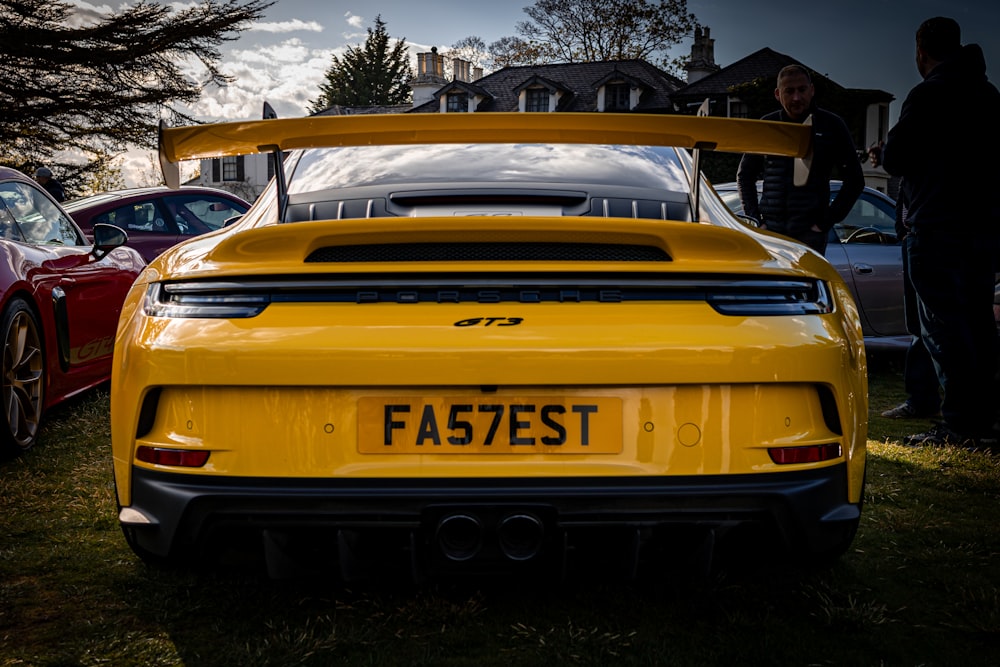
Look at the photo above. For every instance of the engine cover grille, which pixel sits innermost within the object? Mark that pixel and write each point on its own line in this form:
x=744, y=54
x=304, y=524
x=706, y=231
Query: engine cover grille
x=489, y=252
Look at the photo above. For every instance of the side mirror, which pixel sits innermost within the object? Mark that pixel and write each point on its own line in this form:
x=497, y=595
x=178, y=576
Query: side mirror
x=107, y=238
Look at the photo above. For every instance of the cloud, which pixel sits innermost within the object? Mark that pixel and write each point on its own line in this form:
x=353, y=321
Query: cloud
x=286, y=26
x=289, y=51
x=287, y=75
x=354, y=20
x=87, y=14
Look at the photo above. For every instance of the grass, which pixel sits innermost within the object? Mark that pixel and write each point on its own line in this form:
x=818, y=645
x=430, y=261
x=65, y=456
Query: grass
x=919, y=587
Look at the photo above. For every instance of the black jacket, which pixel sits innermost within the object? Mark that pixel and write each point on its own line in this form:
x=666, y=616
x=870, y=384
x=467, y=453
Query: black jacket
x=792, y=210
x=946, y=145
x=55, y=189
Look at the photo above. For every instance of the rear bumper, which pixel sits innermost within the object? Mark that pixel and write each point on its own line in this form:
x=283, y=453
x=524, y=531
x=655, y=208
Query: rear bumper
x=459, y=524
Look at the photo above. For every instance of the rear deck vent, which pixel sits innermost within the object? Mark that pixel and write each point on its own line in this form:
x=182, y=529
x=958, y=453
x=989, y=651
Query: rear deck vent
x=489, y=252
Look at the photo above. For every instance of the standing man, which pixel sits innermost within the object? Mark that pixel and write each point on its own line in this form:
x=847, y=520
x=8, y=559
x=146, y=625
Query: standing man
x=44, y=177
x=946, y=128
x=805, y=212
x=920, y=380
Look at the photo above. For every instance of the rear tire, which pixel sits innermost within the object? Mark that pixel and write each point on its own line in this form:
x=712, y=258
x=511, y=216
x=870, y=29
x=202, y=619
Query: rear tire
x=23, y=378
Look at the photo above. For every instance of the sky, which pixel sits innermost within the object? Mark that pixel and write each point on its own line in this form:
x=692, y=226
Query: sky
x=856, y=43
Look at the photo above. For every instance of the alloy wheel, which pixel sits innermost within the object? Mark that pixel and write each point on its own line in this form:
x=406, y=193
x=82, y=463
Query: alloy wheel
x=22, y=377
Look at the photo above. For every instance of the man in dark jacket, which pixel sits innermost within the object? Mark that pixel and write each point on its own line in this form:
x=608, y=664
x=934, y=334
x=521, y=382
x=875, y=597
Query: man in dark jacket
x=946, y=126
x=45, y=178
x=804, y=212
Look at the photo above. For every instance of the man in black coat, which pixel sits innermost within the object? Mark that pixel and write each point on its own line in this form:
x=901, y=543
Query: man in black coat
x=945, y=145
x=805, y=212
x=45, y=178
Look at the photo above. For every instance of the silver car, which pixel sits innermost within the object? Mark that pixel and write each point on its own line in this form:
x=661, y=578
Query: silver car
x=866, y=252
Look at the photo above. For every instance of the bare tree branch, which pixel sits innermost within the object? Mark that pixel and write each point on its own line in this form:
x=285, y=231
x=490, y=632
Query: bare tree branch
x=594, y=30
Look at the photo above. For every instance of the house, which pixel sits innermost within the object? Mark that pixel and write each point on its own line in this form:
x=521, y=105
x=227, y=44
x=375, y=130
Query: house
x=620, y=86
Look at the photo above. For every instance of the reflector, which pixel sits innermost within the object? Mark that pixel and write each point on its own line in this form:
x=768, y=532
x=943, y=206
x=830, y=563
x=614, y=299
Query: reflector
x=172, y=457
x=811, y=454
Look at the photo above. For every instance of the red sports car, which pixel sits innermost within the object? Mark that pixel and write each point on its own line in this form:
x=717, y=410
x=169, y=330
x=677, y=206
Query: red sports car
x=60, y=297
x=158, y=217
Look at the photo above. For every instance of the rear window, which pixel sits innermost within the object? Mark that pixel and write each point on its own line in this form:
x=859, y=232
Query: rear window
x=635, y=166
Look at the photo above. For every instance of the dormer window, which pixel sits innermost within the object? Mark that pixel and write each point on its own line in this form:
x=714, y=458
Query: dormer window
x=540, y=94
x=619, y=92
x=461, y=97
x=457, y=103
x=536, y=99
x=617, y=97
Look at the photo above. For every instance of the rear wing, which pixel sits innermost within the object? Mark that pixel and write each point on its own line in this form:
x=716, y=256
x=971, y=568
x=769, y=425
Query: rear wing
x=274, y=135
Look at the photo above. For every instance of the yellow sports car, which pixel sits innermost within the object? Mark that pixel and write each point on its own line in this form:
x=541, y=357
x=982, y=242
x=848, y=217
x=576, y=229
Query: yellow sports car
x=449, y=344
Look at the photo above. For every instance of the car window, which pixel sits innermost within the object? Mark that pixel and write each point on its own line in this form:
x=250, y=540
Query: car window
x=36, y=219
x=197, y=214
x=868, y=213
x=8, y=225
x=653, y=167
x=732, y=199
x=138, y=217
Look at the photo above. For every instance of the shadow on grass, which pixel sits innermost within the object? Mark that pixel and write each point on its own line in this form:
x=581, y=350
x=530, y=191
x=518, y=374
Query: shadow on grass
x=919, y=585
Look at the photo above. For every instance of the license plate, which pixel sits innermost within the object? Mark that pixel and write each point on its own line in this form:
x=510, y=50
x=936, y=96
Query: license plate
x=490, y=425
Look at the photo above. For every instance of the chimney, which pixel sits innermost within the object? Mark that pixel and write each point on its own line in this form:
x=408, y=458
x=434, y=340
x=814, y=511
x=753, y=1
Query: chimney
x=477, y=73
x=460, y=68
x=702, y=62
x=429, y=78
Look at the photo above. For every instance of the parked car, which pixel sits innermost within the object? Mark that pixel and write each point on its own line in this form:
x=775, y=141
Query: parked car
x=456, y=344
x=60, y=299
x=158, y=217
x=865, y=251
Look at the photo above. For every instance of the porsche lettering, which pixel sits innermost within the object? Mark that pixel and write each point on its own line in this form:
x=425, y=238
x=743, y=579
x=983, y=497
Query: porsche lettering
x=512, y=295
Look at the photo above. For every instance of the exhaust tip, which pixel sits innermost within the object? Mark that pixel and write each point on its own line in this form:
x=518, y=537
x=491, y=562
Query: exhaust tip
x=460, y=536
x=520, y=536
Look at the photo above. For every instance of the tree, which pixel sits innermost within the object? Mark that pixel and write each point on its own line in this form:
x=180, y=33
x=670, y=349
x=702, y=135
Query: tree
x=97, y=88
x=472, y=49
x=373, y=74
x=105, y=174
x=514, y=51
x=594, y=30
